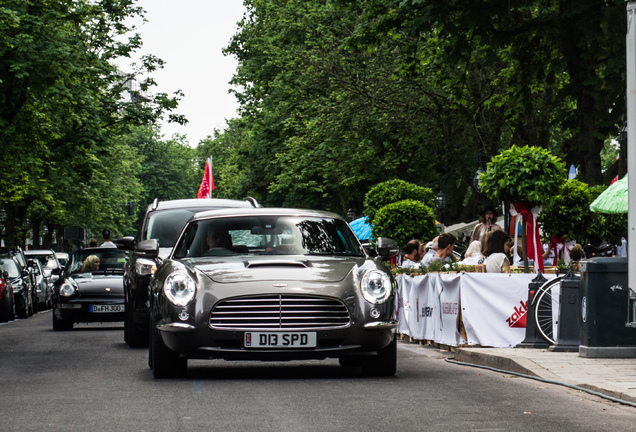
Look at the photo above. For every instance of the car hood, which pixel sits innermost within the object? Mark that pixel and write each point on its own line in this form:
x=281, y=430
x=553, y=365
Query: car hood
x=272, y=268
x=100, y=284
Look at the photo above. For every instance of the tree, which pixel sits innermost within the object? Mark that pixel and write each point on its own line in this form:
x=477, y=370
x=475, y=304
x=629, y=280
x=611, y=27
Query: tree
x=526, y=177
x=63, y=103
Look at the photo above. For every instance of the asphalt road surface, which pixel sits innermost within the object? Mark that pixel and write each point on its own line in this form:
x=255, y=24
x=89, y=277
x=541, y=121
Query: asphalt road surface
x=89, y=380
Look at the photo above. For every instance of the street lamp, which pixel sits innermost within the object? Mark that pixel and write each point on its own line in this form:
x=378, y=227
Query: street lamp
x=351, y=214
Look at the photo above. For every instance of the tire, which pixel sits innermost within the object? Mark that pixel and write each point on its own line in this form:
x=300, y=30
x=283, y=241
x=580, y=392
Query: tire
x=384, y=363
x=165, y=362
x=12, y=314
x=61, y=325
x=545, y=306
x=5, y=307
x=24, y=312
x=134, y=337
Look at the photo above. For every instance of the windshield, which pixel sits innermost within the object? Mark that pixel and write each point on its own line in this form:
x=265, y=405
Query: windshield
x=10, y=266
x=101, y=260
x=268, y=235
x=166, y=225
x=47, y=261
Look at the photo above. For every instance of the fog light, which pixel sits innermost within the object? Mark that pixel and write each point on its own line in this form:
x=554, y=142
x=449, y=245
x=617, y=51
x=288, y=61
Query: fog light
x=183, y=315
x=375, y=313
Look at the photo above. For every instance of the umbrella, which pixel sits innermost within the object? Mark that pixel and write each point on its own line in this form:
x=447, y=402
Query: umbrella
x=361, y=228
x=613, y=200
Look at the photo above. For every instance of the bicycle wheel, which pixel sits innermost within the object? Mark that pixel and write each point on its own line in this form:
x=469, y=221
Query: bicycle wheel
x=545, y=304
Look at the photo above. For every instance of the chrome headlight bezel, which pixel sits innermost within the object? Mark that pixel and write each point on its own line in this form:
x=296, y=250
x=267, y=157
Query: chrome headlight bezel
x=376, y=286
x=67, y=289
x=180, y=288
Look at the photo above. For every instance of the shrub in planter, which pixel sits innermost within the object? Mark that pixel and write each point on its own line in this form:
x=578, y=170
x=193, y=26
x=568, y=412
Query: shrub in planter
x=569, y=214
x=393, y=191
x=405, y=220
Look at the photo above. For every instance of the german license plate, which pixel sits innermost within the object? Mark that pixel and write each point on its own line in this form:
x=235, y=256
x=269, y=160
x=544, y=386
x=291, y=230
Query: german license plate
x=280, y=340
x=106, y=308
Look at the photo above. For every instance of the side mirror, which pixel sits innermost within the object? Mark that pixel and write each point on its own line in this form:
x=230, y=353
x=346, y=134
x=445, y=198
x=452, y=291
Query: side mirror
x=387, y=247
x=5, y=275
x=125, y=243
x=148, y=248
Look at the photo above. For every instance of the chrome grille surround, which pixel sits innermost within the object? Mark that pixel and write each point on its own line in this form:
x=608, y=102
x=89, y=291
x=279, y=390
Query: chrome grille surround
x=279, y=312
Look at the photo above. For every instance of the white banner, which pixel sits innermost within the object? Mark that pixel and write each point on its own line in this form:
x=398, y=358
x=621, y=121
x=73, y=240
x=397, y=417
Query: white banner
x=493, y=307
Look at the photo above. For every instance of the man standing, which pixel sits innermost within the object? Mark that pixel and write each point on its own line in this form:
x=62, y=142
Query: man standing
x=107, y=242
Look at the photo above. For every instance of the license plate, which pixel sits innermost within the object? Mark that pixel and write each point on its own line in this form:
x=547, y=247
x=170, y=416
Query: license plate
x=106, y=308
x=280, y=340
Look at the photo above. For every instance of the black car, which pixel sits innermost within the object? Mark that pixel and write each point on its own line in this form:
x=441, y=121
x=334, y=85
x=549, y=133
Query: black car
x=162, y=222
x=90, y=288
x=7, y=304
x=272, y=284
x=21, y=280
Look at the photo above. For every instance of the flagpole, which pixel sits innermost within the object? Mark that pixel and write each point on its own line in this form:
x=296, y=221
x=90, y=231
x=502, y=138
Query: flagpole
x=210, y=162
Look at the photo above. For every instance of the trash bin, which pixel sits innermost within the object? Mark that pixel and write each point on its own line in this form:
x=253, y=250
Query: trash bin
x=604, y=309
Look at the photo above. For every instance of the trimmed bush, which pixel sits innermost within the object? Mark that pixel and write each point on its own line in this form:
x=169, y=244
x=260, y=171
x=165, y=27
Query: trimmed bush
x=393, y=191
x=405, y=220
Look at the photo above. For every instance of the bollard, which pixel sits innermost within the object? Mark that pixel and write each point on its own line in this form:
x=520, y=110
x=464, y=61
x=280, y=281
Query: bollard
x=533, y=340
x=568, y=334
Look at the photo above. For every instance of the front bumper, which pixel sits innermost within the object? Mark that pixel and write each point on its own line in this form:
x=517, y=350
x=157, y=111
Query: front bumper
x=81, y=312
x=208, y=343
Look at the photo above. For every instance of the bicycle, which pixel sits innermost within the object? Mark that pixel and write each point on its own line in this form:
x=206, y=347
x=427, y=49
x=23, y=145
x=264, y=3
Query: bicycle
x=546, y=304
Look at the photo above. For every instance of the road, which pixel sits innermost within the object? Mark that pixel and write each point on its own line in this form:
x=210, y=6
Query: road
x=89, y=380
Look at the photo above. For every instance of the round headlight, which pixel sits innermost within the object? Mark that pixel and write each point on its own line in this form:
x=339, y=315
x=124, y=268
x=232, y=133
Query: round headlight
x=180, y=288
x=376, y=287
x=67, y=290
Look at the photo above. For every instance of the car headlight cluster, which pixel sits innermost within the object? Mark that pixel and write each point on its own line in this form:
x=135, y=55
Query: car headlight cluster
x=145, y=267
x=180, y=288
x=67, y=289
x=376, y=287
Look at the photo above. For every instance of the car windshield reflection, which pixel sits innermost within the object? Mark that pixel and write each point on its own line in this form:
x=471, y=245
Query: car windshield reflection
x=267, y=235
x=94, y=261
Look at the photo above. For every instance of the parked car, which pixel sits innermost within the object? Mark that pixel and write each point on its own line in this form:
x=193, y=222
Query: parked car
x=47, y=258
x=21, y=279
x=7, y=304
x=43, y=286
x=163, y=222
x=62, y=258
x=271, y=284
x=90, y=288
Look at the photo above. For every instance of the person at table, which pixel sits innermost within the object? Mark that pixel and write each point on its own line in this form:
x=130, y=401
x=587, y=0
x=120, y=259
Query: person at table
x=411, y=255
x=445, y=245
x=431, y=250
x=496, y=247
x=576, y=255
x=487, y=223
x=473, y=253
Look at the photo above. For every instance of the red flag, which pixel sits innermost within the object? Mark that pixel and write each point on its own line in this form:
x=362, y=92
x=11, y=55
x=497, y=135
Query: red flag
x=207, y=184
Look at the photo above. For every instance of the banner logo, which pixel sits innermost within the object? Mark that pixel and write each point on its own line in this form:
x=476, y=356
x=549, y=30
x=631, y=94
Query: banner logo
x=518, y=318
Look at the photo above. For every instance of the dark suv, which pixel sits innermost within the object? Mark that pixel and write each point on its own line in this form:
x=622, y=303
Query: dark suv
x=164, y=221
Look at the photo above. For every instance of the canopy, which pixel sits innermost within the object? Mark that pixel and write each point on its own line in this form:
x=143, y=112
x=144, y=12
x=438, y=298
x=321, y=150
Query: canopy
x=361, y=228
x=613, y=200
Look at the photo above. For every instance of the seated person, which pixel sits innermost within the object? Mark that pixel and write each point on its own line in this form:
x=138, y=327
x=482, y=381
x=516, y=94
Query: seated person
x=445, y=246
x=411, y=255
x=219, y=242
x=473, y=253
x=91, y=264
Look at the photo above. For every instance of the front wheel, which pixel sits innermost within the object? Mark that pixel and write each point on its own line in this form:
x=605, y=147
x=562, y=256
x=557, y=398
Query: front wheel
x=165, y=362
x=60, y=324
x=134, y=337
x=384, y=363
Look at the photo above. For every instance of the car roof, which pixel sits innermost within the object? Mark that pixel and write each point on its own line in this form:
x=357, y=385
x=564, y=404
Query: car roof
x=201, y=203
x=38, y=252
x=266, y=212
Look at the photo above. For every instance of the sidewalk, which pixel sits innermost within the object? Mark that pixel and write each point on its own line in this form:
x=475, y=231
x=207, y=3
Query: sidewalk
x=613, y=377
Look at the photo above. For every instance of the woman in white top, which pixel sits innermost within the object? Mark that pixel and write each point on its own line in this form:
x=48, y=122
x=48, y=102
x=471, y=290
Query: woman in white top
x=473, y=253
x=497, y=244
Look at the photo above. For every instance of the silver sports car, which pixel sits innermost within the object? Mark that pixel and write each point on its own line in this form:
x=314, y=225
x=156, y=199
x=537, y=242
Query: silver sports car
x=271, y=284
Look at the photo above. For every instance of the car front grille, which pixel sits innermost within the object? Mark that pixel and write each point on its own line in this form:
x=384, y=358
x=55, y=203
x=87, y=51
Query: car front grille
x=279, y=312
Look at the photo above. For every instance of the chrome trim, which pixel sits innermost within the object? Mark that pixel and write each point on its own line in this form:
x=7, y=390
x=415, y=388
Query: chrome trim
x=176, y=327
x=381, y=325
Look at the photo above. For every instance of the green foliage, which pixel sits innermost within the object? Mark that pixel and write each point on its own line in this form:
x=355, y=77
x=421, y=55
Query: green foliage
x=392, y=191
x=405, y=220
x=569, y=214
x=528, y=175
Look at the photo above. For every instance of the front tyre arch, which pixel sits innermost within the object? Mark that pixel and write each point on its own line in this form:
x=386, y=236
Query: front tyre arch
x=165, y=362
